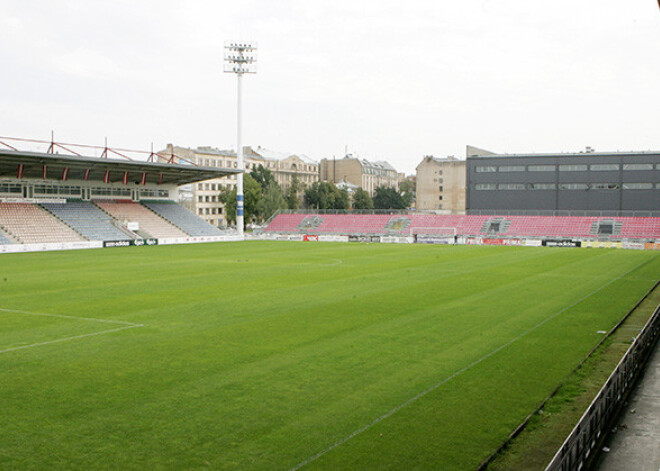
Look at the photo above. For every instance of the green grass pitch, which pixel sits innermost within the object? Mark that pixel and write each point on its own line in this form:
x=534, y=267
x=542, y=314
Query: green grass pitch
x=278, y=355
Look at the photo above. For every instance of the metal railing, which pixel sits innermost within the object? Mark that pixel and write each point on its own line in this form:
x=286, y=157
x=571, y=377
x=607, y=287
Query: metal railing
x=580, y=448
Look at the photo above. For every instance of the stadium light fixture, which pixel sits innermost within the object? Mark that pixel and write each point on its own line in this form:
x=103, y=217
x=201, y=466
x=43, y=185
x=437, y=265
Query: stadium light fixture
x=240, y=58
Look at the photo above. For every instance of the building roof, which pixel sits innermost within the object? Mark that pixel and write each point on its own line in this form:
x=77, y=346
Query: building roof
x=447, y=160
x=275, y=155
x=589, y=152
x=34, y=164
x=255, y=153
x=378, y=164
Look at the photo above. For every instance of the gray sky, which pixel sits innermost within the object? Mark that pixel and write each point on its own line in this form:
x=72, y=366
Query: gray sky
x=392, y=80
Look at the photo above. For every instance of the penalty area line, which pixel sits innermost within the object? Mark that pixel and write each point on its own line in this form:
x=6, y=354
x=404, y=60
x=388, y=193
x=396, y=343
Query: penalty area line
x=458, y=372
x=65, y=339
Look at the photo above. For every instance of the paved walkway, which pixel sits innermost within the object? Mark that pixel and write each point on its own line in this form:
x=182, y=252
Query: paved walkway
x=636, y=443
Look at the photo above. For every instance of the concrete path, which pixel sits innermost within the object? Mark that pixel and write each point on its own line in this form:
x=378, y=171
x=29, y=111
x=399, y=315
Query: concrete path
x=636, y=443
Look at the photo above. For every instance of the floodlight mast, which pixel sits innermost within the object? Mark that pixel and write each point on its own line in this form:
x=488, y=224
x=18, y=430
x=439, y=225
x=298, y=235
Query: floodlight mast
x=240, y=58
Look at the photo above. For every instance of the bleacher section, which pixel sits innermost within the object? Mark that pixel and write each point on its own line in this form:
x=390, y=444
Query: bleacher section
x=646, y=228
x=31, y=224
x=87, y=220
x=151, y=224
x=182, y=218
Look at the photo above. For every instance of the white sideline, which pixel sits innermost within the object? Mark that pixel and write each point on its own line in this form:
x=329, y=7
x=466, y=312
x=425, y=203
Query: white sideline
x=93, y=319
x=126, y=325
x=458, y=372
x=64, y=339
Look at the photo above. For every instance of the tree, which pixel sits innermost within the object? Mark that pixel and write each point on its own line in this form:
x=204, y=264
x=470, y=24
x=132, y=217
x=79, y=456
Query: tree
x=272, y=200
x=262, y=176
x=292, y=200
x=362, y=200
x=251, y=198
x=388, y=198
x=325, y=195
x=408, y=188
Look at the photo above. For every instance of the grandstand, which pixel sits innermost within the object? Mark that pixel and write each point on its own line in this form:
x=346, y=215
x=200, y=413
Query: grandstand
x=88, y=220
x=30, y=224
x=150, y=224
x=583, y=227
x=46, y=197
x=180, y=217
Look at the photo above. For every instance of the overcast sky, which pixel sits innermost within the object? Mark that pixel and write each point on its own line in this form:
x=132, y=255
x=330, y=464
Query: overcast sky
x=389, y=80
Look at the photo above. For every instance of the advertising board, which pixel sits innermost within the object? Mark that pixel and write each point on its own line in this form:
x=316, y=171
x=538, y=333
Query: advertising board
x=561, y=243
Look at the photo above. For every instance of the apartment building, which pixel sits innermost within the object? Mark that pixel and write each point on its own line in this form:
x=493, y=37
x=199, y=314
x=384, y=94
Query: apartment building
x=204, y=196
x=361, y=172
x=441, y=185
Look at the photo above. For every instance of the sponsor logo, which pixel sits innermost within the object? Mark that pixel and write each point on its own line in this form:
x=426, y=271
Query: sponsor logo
x=363, y=238
x=561, y=243
x=128, y=243
x=116, y=243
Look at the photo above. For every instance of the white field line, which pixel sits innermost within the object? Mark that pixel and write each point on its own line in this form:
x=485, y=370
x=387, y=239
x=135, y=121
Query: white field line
x=92, y=319
x=336, y=262
x=458, y=372
x=65, y=339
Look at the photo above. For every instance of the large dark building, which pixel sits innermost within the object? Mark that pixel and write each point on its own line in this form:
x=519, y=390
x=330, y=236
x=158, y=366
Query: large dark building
x=592, y=181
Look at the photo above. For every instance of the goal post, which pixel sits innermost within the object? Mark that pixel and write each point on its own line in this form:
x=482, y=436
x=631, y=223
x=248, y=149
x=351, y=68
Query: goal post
x=432, y=231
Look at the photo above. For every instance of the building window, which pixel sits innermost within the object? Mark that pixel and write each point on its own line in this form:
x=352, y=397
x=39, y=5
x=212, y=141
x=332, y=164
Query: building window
x=511, y=186
x=511, y=168
x=485, y=186
x=440, y=198
x=604, y=186
x=638, y=186
x=542, y=186
x=541, y=168
x=485, y=169
x=11, y=188
x=573, y=186
x=440, y=188
x=638, y=166
x=572, y=168
x=604, y=167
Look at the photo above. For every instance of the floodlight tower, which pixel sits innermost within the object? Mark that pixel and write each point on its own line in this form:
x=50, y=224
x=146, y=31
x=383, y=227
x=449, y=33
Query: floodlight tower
x=240, y=58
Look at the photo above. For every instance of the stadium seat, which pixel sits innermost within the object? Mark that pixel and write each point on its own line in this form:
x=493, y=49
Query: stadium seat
x=646, y=228
x=88, y=220
x=151, y=224
x=180, y=217
x=31, y=224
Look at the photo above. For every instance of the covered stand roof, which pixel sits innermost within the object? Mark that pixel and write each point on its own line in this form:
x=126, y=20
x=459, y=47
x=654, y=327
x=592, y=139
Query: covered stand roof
x=37, y=165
